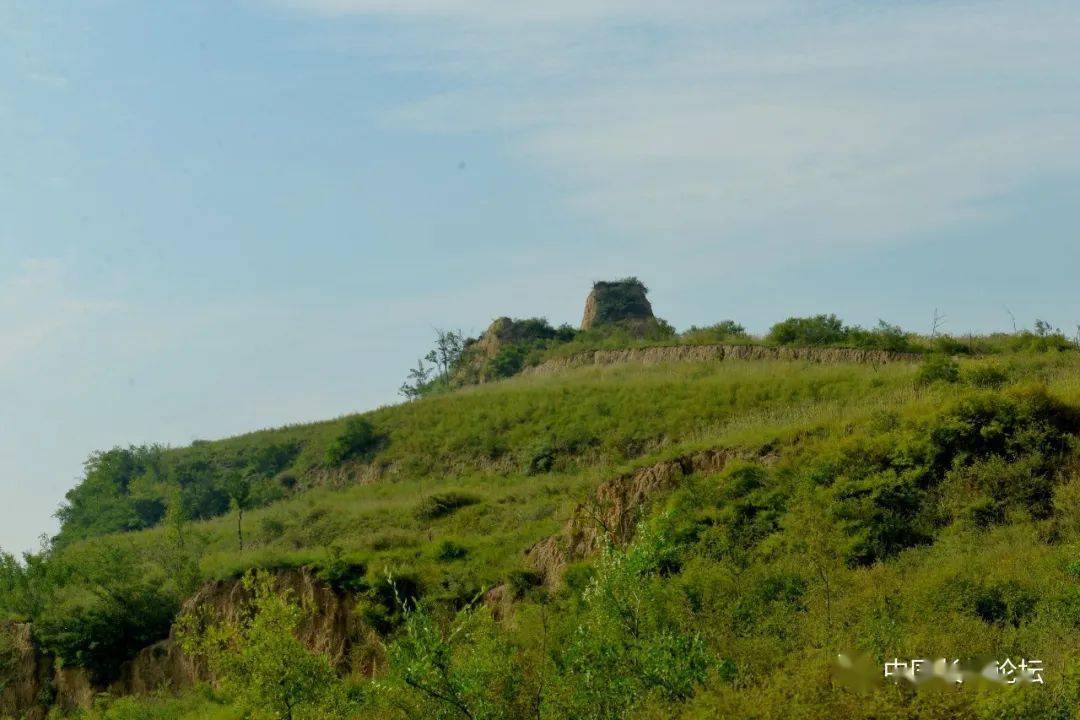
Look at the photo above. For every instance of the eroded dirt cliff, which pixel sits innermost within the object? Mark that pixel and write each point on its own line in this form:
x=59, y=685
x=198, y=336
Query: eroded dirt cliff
x=611, y=514
x=331, y=628
x=715, y=353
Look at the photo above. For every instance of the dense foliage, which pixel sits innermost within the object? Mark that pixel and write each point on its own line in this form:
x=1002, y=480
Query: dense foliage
x=829, y=330
x=128, y=489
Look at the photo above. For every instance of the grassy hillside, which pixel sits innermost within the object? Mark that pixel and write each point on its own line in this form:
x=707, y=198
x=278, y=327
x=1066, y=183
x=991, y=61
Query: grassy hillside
x=897, y=511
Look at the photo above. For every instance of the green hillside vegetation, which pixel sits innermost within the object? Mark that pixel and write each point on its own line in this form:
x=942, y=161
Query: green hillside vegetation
x=902, y=510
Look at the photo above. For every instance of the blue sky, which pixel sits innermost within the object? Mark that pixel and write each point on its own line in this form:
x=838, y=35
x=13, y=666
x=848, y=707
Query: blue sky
x=221, y=216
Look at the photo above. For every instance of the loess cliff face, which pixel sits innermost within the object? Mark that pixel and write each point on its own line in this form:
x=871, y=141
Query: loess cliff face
x=716, y=353
x=24, y=676
x=331, y=628
x=612, y=513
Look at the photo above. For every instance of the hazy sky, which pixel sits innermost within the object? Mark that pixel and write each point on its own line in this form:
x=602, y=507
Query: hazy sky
x=225, y=215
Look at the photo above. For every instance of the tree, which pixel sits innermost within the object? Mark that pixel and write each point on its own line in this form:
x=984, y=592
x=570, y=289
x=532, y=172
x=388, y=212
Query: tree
x=238, y=487
x=461, y=670
x=179, y=556
x=444, y=359
x=258, y=660
x=633, y=639
x=417, y=382
x=937, y=322
x=104, y=502
x=449, y=345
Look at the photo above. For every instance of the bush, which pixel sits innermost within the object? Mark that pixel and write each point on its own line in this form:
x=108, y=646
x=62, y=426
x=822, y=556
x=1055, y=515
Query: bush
x=260, y=663
x=948, y=345
x=342, y=574
x=457, y=667
x=357, y=439
x=988, y=377
x=938, y=368
x=631, y=639
x=1003, y=603
x=816, y=330
x=1044, y=339
x=723, y=331
x=541, y=458
x=988, y=453
x=450, y=551
x=271, y=528
x=508, y=361
x=890, y=338
x=520, y=582
x=442, y=504
x=386, y=599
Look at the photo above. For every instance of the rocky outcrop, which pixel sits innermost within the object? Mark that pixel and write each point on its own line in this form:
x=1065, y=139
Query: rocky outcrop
x=717, y=353
x=479, y=352
x=612, y=513
x=617, y=301
x=501, y=349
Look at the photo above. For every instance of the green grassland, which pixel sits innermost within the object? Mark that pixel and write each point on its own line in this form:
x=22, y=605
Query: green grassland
x=904, y=510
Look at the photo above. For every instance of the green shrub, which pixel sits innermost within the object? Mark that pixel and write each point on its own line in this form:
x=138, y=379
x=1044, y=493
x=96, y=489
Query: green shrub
x=937, y=368
x=1004, y=603
x=1066, y=501
x=578, y=576
x=449, y=551
x=630, y=639
x=721, y=332
x=260, y=663
x=1043, y=339
x=988, y=453
x=816, y=330
x=541, y=458
x=521, y=582
x=987, y=377
x=508, y=361
x=459, y=666
x=387, y=598
x=271, y=528
x=442, y=504
x=342, y=574
x=890, y=338
x=357, y=439
x=948, y=345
